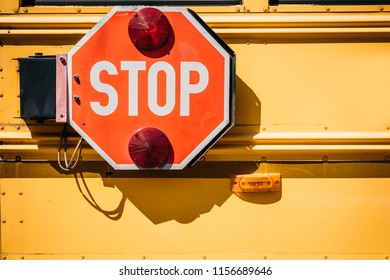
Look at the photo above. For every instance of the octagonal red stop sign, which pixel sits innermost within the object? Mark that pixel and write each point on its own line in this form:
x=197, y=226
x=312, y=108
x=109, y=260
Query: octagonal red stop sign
x=145, y=102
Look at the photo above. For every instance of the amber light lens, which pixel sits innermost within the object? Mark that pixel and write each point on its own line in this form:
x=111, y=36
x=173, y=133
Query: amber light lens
x=149, y=29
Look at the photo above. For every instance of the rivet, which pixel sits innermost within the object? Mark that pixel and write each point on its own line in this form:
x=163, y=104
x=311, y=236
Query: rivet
x=247, y=10
x=325, y=128
x=386, y=257
x=17, y=127
x=76, y=78
x=63, y=60
x=21, y=221
x=16, y=10
x=274, y=9
x=388, y=128
x=263, y=128
x=327, y=9
x=17, y=69
x=20, y=193
x=265, y=257
x=82, y=257
x=22, y=257
x=381, y=8
x=3, y=221
x=18, y=158
x=62, y=116
x=1, y=127
x=76, y=99
x=265, y=10
x=238, y=9
x=263, y=158
x=247, y=42
x=4, y=257
x=78, y=10
x=1, y=94
x=143, y=257
x=1, y=69
x=25, y=10
x=325, y=257
x=204, y=257
x=3, y=193
x=325, y=158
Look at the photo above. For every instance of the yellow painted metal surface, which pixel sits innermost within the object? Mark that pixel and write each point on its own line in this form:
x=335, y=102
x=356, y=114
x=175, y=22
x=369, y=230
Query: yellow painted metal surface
x=311, y=105
x=176, y=218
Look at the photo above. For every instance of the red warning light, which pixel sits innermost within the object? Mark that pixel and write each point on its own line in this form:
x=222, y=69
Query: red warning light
x=149, y=29
x=149, y=147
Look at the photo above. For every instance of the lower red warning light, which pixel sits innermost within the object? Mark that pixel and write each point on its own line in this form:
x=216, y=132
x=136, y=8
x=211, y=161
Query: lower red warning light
x=149, y=147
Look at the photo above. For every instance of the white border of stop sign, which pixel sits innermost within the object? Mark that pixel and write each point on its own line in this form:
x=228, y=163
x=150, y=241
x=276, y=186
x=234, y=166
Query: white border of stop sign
x=228, y=88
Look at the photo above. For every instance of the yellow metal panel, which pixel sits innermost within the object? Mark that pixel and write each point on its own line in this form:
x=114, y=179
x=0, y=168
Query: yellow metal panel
x=175, y=218
x=9, y=6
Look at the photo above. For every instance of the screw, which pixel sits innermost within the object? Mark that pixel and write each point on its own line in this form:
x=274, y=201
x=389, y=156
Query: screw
x=63, y=60
x=76, y=99
x=76, y=78
x=62, y=116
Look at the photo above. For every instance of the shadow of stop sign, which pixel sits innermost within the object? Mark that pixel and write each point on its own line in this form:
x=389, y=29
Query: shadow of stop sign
x=151, y=87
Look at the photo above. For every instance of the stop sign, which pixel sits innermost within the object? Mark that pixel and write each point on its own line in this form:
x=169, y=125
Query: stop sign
x=151, y=87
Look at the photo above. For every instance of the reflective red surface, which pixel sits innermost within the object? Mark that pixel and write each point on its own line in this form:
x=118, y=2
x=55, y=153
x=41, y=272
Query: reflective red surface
x=149, y=147
x=149, y=29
